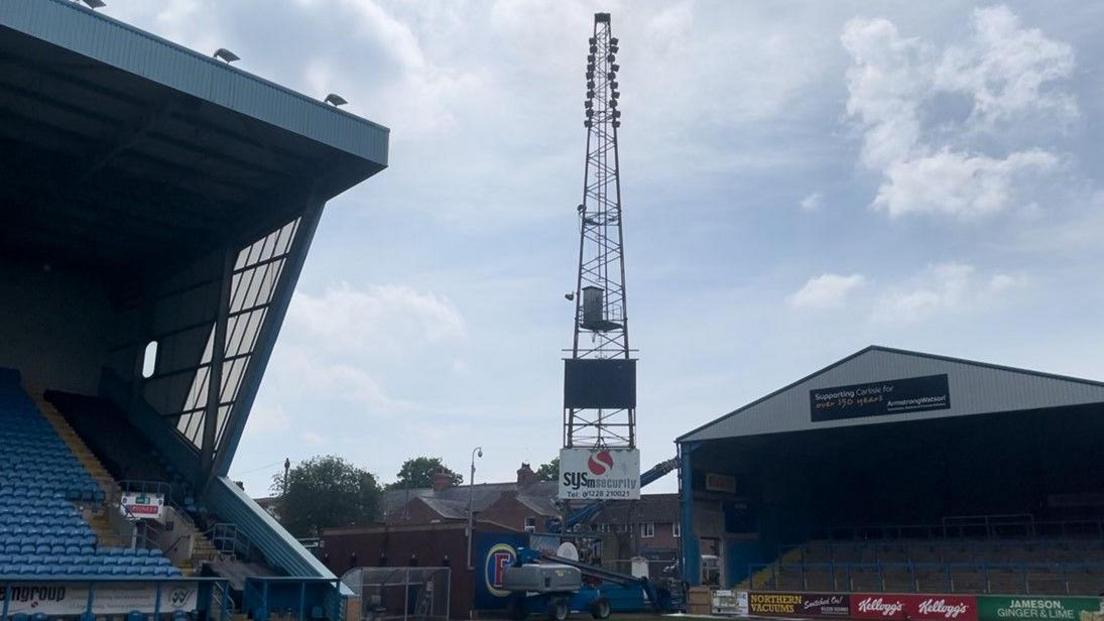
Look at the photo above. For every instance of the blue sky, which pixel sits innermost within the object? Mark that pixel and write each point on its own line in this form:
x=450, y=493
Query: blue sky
x=800, y=180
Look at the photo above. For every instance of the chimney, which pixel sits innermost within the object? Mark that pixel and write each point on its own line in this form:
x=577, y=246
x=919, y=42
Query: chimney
x=441, y=481
x=526, y=476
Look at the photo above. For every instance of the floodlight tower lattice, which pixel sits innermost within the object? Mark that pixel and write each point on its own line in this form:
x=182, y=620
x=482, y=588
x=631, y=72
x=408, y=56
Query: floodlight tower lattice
x=601, y=328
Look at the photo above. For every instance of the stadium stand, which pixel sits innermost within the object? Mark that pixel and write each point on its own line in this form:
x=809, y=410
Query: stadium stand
x=946, y=561
x=159, y=207
x=42, y=532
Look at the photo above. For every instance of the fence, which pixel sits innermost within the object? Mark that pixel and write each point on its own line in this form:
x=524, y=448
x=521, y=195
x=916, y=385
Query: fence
x=406, y=593
x=205, y=599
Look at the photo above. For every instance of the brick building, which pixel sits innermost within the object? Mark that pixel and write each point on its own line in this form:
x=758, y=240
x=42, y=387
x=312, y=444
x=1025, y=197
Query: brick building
x=523, y=505
x=648, y=527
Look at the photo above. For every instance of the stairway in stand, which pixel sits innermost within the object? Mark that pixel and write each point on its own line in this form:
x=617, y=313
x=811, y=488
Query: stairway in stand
x=77, y=446
x=95, y=515
x=202, y=548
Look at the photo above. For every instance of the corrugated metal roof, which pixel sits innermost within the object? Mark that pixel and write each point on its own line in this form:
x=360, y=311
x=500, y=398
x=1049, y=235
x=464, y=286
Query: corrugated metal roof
x=99, y=37
x=975, y=388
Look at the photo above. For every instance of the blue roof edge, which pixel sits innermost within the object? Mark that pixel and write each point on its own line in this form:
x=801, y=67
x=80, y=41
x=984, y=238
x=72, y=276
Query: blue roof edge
x=128, y=48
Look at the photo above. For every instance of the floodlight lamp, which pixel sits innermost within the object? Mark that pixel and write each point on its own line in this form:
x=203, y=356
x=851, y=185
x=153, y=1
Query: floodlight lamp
x=615, y=94
x=593, y=48
x=616, y=124
x=590, y=58
x=586, y=123
x=589, y=103
x=615, y=67
x=590, y=94
x=593, y=40
x=613, y=40
x=613, y=103
x=225, y=55
x=589, y=113
x=569, y=296
x=613, y=86
x=335, y=100
x=590, y=84
x=614, y=48
x=94, y=4
x=616, y=114
x=611, y=58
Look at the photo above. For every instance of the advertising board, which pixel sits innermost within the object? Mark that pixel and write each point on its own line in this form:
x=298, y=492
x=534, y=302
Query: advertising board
x=1028, y=607
x=914, y=607
x=730, y=603
x=143, y=506
x=899, y=396
x=71, y=599
x=494, y=552
x=798, y=604
x=599, y=474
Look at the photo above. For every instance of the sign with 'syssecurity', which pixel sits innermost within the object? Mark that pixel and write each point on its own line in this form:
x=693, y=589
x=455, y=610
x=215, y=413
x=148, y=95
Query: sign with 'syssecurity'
x=599, y=474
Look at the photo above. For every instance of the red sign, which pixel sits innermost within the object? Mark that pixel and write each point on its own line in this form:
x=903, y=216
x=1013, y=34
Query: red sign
x=923, y=607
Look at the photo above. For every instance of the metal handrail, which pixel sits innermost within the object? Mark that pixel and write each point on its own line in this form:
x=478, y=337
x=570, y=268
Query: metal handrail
x=955, y=526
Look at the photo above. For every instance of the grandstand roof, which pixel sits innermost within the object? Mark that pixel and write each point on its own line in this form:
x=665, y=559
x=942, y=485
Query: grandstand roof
x=121, y=148
x=969, y=388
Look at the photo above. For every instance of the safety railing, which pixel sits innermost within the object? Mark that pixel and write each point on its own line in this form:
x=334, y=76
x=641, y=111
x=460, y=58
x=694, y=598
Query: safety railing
x=199, y=599
x=229, y=540
x=1070, y=578
x=1043, y=550
x=967, y=527
x=293, y=598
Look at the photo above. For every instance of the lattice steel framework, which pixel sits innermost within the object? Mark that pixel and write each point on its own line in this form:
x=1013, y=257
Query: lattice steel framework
x=601, y=321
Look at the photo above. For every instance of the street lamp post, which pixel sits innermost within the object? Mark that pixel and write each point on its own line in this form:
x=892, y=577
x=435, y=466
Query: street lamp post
x=476, y=452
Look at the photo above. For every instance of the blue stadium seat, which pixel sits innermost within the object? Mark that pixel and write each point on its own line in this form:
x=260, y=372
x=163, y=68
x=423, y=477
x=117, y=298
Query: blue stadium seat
x=41, y=533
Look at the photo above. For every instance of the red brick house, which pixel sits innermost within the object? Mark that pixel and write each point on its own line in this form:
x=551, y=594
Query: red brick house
x=524, y=505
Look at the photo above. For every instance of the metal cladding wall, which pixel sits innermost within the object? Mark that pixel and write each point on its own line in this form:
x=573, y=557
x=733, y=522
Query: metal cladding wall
x=975, y=388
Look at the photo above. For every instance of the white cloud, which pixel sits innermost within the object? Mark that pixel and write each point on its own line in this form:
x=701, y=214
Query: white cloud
x=946, y=288
x=386, y=317
x=888, y=77
x=957, y=184
x=338, y=380
x=826, y=291
x=812, y=202
x=313, y=439
x=264, y=418
x=1006, y=70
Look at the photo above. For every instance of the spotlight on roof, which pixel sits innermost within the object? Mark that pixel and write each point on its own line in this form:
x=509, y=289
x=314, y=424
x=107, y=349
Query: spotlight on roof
x=225, y=55
x=335, y=100
x=94, y=4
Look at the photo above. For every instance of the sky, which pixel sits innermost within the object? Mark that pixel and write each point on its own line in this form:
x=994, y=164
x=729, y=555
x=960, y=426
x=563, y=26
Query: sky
x=800, y=180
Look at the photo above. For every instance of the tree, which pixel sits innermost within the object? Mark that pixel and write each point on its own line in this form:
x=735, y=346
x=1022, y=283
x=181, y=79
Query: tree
x=418, y=472
x=323, y=492
x=549, y=471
